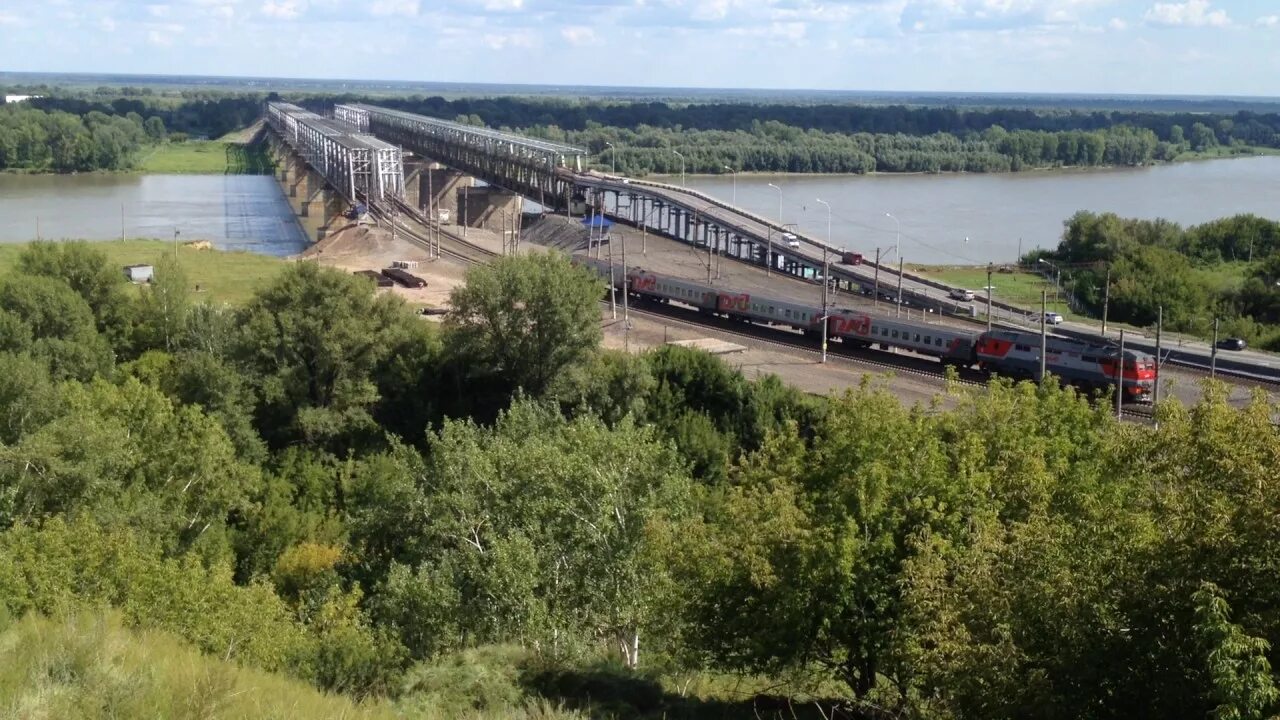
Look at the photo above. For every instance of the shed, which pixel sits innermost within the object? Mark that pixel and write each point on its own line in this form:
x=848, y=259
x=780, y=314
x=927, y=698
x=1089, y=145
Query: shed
x=138, y=273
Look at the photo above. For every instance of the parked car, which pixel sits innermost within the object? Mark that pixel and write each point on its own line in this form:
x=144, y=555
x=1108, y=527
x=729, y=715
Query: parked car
x=1053, y=318
x=792, y=240
x=961, y=294
x=1232, y=343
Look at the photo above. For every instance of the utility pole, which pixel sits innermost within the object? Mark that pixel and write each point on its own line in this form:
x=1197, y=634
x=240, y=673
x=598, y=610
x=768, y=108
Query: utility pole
x=466, y=206
x=1106, y=300
x=988, y=297
x=899, y=286
x=121, y=222
x=875, y=297
x=1213, y=352
x=826, y=269
x=1044, y=333
x=613, y=287
x=1159, y=326
x=1120, y=380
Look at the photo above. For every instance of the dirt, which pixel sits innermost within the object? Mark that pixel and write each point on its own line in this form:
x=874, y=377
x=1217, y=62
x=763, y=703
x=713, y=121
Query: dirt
x=367, y=247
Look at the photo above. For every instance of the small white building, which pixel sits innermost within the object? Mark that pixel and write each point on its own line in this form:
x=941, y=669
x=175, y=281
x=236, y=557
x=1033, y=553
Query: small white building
x=138, y=273
x=18, y=98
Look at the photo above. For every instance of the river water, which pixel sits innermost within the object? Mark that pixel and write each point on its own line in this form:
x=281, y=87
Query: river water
x=235, y=212
x=998, y=214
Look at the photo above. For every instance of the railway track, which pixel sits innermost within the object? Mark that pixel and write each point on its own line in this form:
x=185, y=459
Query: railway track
x=459, y=249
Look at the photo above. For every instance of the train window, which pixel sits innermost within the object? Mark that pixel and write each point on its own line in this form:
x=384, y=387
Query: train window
x=937, y=341
x=895, y=334
x=788, y=312
x=1023, y=348
x=917, y=339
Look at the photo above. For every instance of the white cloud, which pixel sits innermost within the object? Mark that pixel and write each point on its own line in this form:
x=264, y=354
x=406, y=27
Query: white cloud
x=515, y=39
x=1192, y=13
x=159, y=11
x=579, y=35
x=107, y=24
x=283, y=9
x=1268, y=21
x=501, y=5
x=1117, y=24
x=384, y=8
x=9, y=19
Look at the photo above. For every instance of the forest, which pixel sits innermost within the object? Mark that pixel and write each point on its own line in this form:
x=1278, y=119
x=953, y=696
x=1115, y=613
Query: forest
x=34, y=140
x=741, y=136
x=494, y=517
x=1227, y=269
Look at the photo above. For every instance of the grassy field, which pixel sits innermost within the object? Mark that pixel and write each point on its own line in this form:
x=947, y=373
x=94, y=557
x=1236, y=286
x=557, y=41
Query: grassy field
x=223, y=277
x=225, y=156
x=1016, y=288
x=91, y=667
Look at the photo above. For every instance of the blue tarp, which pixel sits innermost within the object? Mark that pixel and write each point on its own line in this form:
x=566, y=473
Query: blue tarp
x=598, y=221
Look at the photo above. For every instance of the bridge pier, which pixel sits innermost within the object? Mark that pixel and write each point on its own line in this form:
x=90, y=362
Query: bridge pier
x=443, y=187
x=490, y=208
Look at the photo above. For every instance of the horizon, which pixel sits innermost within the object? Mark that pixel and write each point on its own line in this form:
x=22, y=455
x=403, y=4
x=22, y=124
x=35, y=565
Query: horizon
x=1215, y=48
x=112, y=78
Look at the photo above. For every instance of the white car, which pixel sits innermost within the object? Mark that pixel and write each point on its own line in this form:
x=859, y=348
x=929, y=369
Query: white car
x=961, y=294
x=792, y=240
x=1053, y=318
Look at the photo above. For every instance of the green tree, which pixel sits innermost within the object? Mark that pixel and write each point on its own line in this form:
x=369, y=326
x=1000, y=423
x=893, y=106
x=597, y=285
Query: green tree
x=313, y=341
x=522, y=320
x=85, y=270
x=162, y=310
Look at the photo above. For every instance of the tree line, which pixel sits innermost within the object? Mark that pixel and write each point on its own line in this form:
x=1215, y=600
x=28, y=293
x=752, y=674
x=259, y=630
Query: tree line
x=32, y=139
x=321, y=483
x=1228, y=269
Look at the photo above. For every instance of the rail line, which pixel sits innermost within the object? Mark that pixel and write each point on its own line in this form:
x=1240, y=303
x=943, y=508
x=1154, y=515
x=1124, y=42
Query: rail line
x=470, y=254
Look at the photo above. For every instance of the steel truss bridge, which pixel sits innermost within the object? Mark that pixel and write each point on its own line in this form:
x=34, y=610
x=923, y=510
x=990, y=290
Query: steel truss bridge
x=537, y=169
x=356, y=164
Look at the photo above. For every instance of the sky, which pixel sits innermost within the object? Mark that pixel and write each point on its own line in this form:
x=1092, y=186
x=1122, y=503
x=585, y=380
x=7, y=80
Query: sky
x=1200, y=47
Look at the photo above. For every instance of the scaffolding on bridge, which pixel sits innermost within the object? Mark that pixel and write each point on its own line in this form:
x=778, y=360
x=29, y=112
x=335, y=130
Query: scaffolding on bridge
x=528, y=166
x=358, y=165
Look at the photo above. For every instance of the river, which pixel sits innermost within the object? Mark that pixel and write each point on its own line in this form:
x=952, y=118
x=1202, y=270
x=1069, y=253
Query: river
x=975, y=219
x=234, y=212
x=950, y=219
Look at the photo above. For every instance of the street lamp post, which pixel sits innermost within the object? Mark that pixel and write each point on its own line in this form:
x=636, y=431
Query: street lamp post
x=897, y=234
x=677, y=153
x=768, y=266
x=735, y=184
x=826, y=281
x=613, y=158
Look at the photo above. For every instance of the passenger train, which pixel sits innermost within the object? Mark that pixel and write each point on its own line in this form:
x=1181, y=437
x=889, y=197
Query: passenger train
x=1011, y=353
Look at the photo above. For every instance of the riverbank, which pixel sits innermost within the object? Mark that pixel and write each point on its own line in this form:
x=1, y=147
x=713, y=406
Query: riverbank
x=206, y=157
x=216, y=276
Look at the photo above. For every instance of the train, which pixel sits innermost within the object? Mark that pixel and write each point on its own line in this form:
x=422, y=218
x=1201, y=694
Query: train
x=1089, y=367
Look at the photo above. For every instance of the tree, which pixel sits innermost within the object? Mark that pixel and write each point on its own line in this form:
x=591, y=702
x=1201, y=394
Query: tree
x=522, y=320
x=162, y=310
x=312, y=341
x=85, y=270
x=51, y=322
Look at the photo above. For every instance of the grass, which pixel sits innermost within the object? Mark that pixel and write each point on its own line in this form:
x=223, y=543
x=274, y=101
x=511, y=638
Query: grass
x=1016, y=288
x=223, y=277
x=90, y=667
x=205, y=157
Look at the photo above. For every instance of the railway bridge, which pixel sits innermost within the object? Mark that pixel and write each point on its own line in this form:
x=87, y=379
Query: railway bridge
x=360, y=152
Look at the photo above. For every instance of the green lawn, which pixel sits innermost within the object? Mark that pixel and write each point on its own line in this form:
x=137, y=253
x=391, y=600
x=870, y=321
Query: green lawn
x=223, y=277
x=205, y=157
x=1016, y=288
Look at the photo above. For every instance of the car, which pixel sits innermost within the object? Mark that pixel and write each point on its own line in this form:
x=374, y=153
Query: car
x=792, y=240
x=1232, y=343
x=1053, y=318
x=961, y=294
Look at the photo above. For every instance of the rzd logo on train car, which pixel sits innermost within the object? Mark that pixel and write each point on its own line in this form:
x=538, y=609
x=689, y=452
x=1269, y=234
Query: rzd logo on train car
x=644, y=283
x=733, y=303
x=851, y=324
